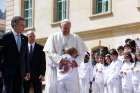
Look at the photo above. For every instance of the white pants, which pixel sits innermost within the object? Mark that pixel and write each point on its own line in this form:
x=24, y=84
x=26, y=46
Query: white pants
x=136, y=88
x=124, y=90
x=105, y=89
x=100, y=85
x=114, y=86
x=94, y=87
x=84, y=86
x=65, y=86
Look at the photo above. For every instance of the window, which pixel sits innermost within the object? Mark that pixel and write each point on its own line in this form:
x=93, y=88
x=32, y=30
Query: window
x=28, y=13
x=101, y=6
x=61, y=10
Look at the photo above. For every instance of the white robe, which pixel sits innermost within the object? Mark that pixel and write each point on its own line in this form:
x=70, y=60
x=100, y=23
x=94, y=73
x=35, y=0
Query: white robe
x=106, y=70
x=126, y=74
x=136, y=78
x=85, y=76
x=65, y=81
x=99, y=77
x=54, y=50
x=114, y=80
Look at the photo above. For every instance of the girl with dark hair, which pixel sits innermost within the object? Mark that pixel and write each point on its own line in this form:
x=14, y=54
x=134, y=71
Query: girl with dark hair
x=126, y=74
x=106, y=69
x=99, y=74
x=120, y=51
x=128, y=48
x=114, y=80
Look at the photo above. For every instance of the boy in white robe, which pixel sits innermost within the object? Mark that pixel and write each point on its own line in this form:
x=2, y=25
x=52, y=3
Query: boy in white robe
x=114, y=80
x=85, y=74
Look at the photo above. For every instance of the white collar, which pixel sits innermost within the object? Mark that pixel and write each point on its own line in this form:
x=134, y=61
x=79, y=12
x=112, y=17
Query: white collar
x=33, y=44
x=15, y=33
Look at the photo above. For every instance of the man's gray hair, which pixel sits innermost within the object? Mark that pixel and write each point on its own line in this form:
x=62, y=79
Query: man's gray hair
x=65, y=21
x=29, y=32
x=16, y=19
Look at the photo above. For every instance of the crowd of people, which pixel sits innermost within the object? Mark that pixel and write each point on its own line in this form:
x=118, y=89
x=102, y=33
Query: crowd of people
x=65, y=64
x=71, y=71
x=117, y=70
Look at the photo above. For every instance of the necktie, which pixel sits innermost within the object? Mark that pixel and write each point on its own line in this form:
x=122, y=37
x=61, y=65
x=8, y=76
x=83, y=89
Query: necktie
x=18, y=42
x=31, y=49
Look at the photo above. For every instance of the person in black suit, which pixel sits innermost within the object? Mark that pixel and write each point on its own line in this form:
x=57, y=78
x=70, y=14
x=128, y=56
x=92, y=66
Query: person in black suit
x=37, y=64
x=15, y=57
x=1, y=80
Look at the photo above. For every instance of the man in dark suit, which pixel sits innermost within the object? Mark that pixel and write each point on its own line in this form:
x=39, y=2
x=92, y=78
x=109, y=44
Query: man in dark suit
x=15, y=58
x=1, y=61
x=37, y=64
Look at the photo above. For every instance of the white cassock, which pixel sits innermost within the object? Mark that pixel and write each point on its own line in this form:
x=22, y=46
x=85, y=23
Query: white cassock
x=136, y=77
x=126, y=74
x=85, y=76
x=114, y=80
x=99, y=77
x=54, y=50
x=106, y=69
x=95, y=88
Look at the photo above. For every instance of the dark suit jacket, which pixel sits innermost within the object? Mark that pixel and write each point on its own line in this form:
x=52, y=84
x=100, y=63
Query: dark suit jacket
x=37, y=61
x=1, y=60
x=14, y=61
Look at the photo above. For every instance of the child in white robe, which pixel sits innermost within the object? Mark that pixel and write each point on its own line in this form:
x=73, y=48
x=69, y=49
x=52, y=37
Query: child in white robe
x=126, y=74
x=136, y=73
x=66, y=73
x=94, y=85
x=85, y=74
x=114, y=79
x=106, y=70
x=99, y=75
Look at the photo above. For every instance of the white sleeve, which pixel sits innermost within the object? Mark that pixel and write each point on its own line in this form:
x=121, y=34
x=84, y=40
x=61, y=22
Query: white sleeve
x=116, y=73
x=50, y=51
x=81, y=47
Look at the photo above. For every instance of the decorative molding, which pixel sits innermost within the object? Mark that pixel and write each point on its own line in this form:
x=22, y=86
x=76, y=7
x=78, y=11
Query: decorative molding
x=108, y=31
x=100, y=15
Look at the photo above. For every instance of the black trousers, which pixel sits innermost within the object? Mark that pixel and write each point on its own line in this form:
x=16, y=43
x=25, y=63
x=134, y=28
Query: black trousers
x=1, y=85
x=36, y=83
x=13, y=84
